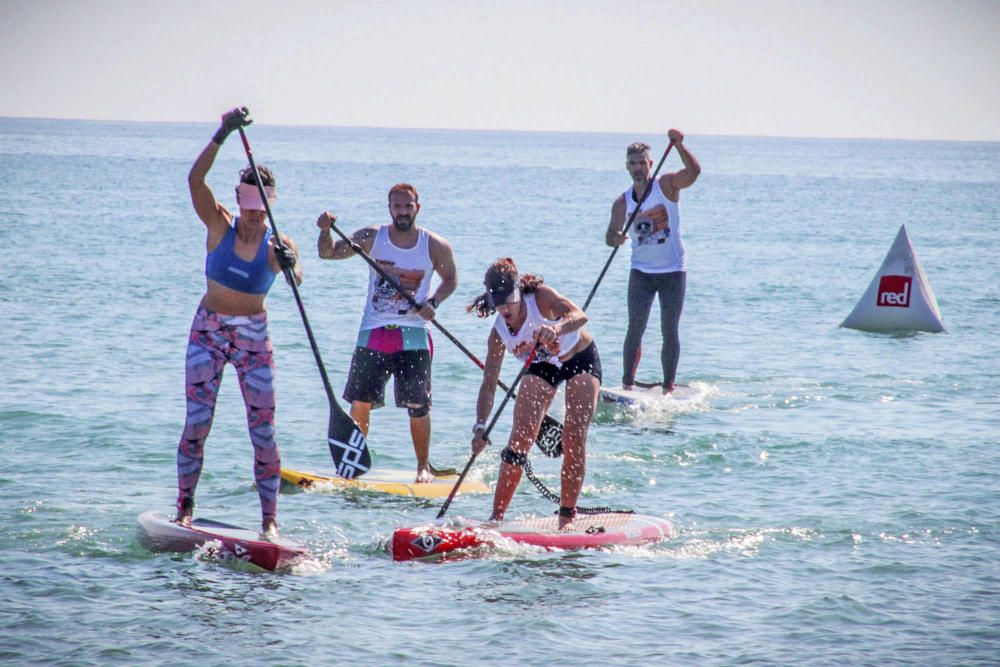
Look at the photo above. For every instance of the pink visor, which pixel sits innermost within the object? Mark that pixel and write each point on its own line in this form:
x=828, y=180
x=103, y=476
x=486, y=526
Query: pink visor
x=248, y=196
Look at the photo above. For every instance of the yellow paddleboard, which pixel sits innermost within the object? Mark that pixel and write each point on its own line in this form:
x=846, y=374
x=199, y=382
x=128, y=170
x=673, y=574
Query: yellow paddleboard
x=397, y=482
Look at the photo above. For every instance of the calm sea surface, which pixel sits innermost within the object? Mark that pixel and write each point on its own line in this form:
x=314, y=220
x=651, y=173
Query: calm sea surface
x=836, y=496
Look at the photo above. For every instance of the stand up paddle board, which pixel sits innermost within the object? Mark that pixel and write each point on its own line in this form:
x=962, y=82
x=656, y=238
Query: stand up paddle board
x=589, y=531
x=616, y=400
x=397, y=482
x=158, y=533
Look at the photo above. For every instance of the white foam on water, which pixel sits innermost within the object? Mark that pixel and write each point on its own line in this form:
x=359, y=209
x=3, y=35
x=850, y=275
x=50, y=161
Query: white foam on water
x=652, y=408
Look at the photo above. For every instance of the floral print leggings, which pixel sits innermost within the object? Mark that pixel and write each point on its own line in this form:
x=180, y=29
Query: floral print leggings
x=244, y=342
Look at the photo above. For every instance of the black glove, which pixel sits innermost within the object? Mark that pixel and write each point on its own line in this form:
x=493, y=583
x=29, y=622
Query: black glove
x=231, y=120
x=286, y=257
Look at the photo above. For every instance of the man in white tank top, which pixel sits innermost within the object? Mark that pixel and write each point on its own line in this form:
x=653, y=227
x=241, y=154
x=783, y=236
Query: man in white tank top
x=658, y=262
x=394, y=338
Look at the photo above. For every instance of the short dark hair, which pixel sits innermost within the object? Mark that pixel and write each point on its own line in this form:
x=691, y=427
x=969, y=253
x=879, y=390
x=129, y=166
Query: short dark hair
x=638, y=147
x=246, y=176
x=405, y=187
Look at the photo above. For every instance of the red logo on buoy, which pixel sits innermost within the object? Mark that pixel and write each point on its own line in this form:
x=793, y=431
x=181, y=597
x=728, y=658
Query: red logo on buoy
x=894, y=291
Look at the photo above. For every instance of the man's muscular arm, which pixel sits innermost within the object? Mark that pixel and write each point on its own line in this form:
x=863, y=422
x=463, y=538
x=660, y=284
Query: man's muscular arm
x=329, y=249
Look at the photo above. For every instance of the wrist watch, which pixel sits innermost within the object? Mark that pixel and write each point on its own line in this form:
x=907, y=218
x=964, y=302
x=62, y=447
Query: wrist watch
x=433, y=302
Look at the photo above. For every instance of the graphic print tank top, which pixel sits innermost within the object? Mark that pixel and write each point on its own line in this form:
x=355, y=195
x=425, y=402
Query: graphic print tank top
x=411, y=268
x=656, y=233
x=519, y=344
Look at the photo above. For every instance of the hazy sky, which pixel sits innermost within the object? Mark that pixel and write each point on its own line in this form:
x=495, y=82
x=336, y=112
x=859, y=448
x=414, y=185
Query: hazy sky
x=868, y=68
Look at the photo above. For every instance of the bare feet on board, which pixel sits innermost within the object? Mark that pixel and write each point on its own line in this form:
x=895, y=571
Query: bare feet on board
x=269, y=528
x=184, y=512
x=424, y=474
x=566, y=516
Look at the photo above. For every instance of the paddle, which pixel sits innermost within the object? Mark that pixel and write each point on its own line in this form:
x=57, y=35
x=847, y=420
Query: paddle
x=631, y=219
x=347, y=443
x=486, y=433
x=549, y=438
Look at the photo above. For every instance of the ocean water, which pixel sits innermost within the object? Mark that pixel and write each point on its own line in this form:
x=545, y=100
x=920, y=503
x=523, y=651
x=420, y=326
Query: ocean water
x=836, y=494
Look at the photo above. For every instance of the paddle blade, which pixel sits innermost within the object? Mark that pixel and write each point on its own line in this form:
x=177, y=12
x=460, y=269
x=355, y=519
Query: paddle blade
x=348, y=446
x=549, y=438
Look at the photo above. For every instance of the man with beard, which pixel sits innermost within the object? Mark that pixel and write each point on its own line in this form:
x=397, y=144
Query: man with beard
x=394, y=339
x=658, y=266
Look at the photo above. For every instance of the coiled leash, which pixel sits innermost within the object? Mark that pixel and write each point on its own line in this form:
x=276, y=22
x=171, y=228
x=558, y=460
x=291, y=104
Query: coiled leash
x=508, y=455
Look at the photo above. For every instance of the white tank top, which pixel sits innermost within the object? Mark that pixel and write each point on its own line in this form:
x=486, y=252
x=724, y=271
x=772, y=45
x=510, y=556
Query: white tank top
x=413, y=268
x=519, y=344
x=656, y=242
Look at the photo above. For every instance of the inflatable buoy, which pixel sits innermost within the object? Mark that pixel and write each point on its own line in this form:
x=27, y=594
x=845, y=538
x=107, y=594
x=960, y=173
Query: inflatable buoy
x=899, y=298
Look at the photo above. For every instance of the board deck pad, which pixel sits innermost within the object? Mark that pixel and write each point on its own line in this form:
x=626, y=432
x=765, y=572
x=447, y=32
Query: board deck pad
x=159, y=533
x=589, y=531
x=395, y=482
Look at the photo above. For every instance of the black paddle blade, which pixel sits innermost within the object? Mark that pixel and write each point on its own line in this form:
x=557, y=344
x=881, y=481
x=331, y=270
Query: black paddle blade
x=348, y=446
x=549, y=438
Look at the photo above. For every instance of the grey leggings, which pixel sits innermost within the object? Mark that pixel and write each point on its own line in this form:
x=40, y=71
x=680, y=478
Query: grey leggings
x=642, y=287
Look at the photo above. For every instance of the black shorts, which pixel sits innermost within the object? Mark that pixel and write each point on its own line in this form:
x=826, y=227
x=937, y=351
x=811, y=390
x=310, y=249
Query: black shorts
x=586, y=360
x=370, y=371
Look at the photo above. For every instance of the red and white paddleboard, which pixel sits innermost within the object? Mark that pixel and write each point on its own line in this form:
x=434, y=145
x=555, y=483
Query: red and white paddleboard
x=158, y=533
x=589, y=531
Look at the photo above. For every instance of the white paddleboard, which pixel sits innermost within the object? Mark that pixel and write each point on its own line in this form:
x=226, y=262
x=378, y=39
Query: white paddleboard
x=613, y=401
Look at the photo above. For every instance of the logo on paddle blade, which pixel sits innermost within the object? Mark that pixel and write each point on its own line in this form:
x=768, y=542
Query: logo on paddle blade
x=427, y=543
x=894, y=291
x=353, y=454
x=549, y=439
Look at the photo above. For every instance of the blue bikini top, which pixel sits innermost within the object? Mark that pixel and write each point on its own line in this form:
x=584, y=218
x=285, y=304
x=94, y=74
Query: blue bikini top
x=225, y=267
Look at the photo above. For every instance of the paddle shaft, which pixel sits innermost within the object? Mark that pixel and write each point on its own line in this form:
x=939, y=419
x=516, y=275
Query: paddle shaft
x=413, y=302
x=290, y=278
x=631, y=219
x=489, y=427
